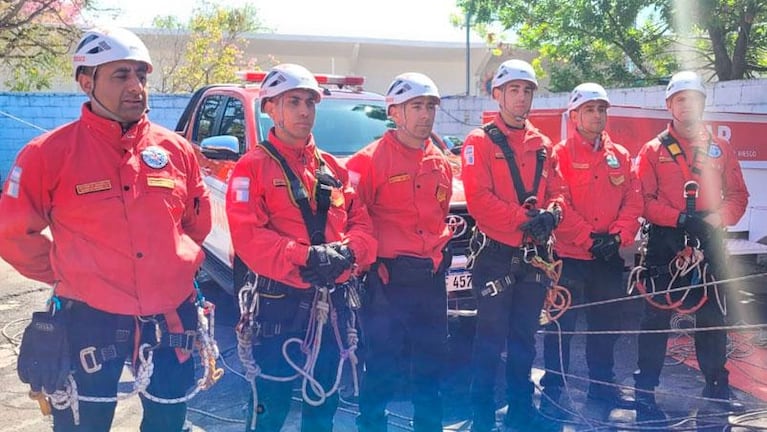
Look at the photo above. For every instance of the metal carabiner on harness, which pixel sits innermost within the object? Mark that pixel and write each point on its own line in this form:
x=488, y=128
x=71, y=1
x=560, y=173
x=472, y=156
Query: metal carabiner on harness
x=477, y=243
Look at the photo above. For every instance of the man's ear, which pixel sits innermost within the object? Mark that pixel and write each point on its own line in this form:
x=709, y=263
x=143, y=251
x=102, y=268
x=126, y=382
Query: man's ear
x=86, y=83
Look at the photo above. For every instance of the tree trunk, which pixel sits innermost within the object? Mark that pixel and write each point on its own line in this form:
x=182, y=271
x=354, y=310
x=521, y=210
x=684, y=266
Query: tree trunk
x=722, y=62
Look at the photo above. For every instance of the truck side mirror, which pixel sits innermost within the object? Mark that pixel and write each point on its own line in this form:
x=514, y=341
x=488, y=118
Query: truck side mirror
x=221, y=147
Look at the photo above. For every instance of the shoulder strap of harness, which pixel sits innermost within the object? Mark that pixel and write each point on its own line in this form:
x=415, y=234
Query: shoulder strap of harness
x=675, y=150
x=315, y=223
x=499, y=139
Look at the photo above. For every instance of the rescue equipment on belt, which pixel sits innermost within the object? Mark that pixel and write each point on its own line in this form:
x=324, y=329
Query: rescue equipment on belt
x=92, y=357
x=321, y=310
x=689, y=260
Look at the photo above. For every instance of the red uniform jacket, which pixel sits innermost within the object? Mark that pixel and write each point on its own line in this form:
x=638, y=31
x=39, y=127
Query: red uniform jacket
x=490, y=194
x=268, y=232
x=127, y=213
x=722, y=188
x=407, y=192
x=605, y=194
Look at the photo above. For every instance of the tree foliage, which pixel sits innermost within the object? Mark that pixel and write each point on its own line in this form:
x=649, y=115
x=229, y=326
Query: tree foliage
x=209, y=48
x=633, y=42
x=35, y=36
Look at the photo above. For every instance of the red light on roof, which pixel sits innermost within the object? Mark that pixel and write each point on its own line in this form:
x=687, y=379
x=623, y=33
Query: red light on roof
x=251, y=76
x=339, y=80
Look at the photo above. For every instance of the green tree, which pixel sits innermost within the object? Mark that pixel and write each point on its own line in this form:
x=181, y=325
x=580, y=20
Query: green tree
x=35, y=37
x=633, y=42
x=213, y=45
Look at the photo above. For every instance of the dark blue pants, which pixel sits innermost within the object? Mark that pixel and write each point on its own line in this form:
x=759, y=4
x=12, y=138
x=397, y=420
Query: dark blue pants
x=405, y=334
x=274, y=398
x=588, y=281
x=509, y=319
x=88, y=327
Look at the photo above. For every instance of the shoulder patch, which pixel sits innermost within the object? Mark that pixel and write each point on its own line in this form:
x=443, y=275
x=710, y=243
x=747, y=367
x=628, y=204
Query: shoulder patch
x=468, y=155
x=241, y=189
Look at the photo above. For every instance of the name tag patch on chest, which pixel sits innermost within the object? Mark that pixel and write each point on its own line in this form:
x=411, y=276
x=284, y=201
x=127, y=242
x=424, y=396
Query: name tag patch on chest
x=399, y=178
x=96, y=186
x=160, y=182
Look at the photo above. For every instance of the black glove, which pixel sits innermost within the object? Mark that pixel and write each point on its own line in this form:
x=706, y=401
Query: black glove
x=540, y=225
x=345, y=251
x=695, y=226
x=605, y=245
x=44, y=361
x=324, y=265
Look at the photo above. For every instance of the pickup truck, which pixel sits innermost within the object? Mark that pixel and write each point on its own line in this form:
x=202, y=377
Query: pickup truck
x=224, y=121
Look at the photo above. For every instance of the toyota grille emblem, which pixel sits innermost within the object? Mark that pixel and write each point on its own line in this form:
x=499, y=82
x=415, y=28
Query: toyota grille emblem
x=457, y=225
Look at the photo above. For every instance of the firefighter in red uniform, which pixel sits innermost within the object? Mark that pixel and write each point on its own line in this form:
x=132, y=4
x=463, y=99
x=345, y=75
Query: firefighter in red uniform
x=588, y=245
x=686, y=151
x=507, y=170
x=297, y=224
x=405, y=180
x=127, y=211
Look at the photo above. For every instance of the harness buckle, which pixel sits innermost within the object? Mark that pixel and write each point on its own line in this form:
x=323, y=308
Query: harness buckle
x=88, y=360
x=529, y=252
x=491, y=289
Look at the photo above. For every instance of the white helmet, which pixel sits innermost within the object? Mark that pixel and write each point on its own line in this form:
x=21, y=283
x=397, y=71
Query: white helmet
x=586, y=92
x=410, y=85
x=514, y=69
x=685, y=80
x=288, y=76
x=108, y=44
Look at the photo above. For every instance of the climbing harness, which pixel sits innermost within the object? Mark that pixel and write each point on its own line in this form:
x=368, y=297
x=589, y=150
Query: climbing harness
x=203, y=340
x=321, y=313
x=690, y=262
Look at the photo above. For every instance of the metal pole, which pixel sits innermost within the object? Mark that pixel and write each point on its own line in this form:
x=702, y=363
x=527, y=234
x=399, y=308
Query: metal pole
x=468, y=53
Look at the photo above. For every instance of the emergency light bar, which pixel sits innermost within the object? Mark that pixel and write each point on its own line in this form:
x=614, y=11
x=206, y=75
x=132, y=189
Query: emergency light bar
x=339, y=80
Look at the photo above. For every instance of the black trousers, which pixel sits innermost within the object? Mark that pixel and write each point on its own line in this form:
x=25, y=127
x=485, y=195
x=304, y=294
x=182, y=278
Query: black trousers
x=588, y=281
x=405, y=334
x=274, y=398
x=88, y=327
x=509, y=319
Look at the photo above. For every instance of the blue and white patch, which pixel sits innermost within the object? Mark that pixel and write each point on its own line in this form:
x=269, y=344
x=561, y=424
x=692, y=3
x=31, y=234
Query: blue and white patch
x=155, y=157
x=241, y=189
x=468, y=155
x=14, y=183
x=612, y=161
x=714, y=151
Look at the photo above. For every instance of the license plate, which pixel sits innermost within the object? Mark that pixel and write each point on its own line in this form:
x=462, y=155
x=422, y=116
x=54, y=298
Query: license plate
x=458, y=281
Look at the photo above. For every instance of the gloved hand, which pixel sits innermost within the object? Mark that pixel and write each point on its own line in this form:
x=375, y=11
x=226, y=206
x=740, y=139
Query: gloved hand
x=605, y=245
x=540, y=225
x=324, y=265
x=44, y=361
x=345, y=251
x=695, y=226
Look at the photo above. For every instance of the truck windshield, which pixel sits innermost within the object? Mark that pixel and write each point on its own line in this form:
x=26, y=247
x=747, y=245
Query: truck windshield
x=342, y=126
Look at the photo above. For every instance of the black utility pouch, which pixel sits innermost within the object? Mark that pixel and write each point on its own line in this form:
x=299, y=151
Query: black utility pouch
x=44, y=360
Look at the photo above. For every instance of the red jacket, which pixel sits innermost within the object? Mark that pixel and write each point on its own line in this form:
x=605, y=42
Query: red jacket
x=268, y=232
x=722, y=188
x=604, y=194
x=407, y=192
x=490, y=194
x=127, y=213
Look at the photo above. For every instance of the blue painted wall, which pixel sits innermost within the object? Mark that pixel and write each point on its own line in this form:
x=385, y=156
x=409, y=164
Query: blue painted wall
x=25, y=115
